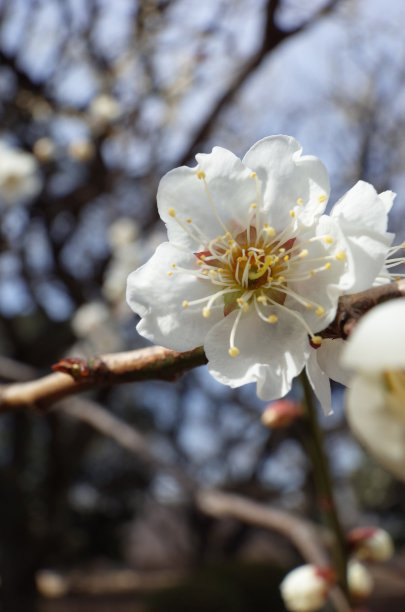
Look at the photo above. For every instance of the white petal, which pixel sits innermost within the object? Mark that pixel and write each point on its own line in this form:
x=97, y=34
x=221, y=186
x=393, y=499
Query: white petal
x=382, y=434
x=158, y=299
x=329, y=355
x=287, y=177
x=387, y=198
x=270, y=354
x=231, y=192
x=319, y=381
x=378, y=341
x=362, y=207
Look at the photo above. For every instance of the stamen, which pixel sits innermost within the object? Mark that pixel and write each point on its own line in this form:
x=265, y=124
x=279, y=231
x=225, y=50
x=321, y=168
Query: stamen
x=233, y=351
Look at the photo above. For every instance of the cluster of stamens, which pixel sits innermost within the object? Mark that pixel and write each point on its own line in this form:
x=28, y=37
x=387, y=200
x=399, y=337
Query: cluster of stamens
x=392, y=262
x=253, y=267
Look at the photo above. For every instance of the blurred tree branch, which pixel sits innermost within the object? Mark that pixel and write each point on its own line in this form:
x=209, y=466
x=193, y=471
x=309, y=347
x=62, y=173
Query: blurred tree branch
x=273, y=35
x=75, y=375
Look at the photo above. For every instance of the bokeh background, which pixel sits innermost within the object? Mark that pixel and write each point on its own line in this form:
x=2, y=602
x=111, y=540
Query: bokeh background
x=98, y=99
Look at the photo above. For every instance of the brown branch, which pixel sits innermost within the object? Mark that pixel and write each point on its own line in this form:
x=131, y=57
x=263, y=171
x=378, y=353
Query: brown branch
x=116, y=368
x=304, y=535
x=77, y=375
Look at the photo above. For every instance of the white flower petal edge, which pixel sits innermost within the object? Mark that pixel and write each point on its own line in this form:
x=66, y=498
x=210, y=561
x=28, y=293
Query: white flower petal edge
x=375, y=402
x=360, y=220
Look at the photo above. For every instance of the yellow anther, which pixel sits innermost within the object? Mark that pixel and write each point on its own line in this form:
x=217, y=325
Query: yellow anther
x=220, y=270
x=270, y=231
x=206, y=312
x=300, y=201
x=321, y=199
x=171, y=212
x=286, y=257
x=328, y=239
x=316, y=340
x=241, y=258
x=245, y=307
x=292, y=214
x=203, y=257
x=281, y=250
x=170, y=273
x=227, y=252
x=280, y=279
x=320, y=311
x=397, y=278
x=185, y=304
x=213, y=273
x=312, y=272
x=328, y=266
x=228, y=235
x=173, y=265
x=272, y=319
x=189, y=221
x=340, y=256
x=262, y=299
x=253, y=206
x=219, y=238
x=231, y=242
x=303, y=253
x=205, y=272
x=233, y=351
x=239, y=301
x=253, y=175
x=200, y=263
x=308, y=306
x=201, y=174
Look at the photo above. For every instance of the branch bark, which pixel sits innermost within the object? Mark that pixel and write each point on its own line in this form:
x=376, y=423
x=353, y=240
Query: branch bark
x=77, y=375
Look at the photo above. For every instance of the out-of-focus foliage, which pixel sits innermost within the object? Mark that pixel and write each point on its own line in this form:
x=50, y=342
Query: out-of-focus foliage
x=97, y=100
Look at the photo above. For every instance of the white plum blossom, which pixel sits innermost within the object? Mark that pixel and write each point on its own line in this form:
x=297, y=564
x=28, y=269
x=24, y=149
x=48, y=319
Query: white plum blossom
x=375, y=402
x=305, y=588
x=253, y=269
x=19, y=176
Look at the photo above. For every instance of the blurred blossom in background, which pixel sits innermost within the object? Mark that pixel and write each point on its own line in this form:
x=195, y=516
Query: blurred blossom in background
x=98, y=100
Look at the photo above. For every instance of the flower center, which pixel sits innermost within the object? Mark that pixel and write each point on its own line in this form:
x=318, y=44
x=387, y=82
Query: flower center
x=255, y=266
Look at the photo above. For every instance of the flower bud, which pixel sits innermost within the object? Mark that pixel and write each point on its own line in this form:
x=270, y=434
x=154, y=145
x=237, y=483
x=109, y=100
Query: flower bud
x=281, y=413
x=359, y=580
x=371, y=543
x=305, y=588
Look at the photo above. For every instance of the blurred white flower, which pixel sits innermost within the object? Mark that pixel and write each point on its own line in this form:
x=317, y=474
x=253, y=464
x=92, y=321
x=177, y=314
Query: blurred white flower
x=19, y=176
x=92, y=324
x=359, y=579
x=81, y=150
x=371, y=543
x=126, y=254
x=104, y=109
x=305, y=589
x=375, y=401
x=123, y=232
x=44, y=149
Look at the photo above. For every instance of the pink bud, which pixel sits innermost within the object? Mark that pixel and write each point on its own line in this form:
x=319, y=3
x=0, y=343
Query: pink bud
x=281, y=413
